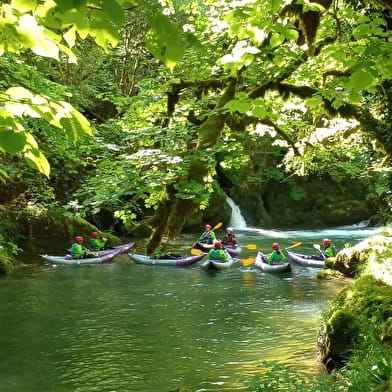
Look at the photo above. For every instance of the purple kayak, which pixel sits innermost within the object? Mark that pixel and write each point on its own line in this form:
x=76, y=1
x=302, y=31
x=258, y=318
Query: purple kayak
x=91, y=260
x=306, y=260
x=125, y=248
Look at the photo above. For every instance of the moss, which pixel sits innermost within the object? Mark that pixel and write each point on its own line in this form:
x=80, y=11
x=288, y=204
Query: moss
x=329, y=274
x=7, y=262
x=361, y=309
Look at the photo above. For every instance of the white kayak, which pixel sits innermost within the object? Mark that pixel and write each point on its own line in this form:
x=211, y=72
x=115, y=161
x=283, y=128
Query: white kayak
x=276, y=266
x=218, y=264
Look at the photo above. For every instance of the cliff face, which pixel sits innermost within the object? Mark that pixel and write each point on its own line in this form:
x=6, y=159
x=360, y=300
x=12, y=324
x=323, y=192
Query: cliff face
x=361, y=312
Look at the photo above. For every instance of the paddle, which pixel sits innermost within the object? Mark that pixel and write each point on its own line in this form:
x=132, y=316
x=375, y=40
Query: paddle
x=195, y=251
x=249, y=261
x=317, y=246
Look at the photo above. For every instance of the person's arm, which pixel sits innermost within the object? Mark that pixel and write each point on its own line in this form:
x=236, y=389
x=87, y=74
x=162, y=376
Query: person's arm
x=223, y=256
x=270, y=257
x=212, y=235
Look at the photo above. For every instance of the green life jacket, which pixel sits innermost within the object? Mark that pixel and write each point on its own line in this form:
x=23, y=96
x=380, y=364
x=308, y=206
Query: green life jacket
x=96, y=244
x=275, y=255
x=217, y=254
x=77, y=251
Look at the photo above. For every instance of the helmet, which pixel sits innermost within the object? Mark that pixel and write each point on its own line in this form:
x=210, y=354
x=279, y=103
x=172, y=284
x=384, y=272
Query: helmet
x=229, y=229
x=79, y=238
x=208, y=227
x=326, y=242
x=94, y=234
x=217, y=245
x=275, y=246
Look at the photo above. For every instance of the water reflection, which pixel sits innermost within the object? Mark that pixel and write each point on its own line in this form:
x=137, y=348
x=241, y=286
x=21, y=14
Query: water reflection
x=128, y=327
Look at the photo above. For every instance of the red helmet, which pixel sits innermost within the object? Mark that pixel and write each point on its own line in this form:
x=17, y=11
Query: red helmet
x=79, y=238
x=94, y=234
x=326, y=242
x=217, y=245
x=275, y=246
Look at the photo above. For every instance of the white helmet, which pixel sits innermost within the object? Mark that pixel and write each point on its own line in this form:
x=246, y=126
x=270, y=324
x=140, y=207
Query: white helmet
x=229, y=229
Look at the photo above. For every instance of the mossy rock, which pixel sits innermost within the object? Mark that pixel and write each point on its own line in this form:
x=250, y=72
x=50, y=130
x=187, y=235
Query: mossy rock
x=327, y=273
x=361, y=309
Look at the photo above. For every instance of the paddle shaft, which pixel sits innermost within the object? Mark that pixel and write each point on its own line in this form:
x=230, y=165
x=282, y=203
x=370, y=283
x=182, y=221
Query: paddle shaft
x=249, y=261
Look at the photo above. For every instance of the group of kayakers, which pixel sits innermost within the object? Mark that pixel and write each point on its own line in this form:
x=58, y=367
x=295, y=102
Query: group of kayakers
x=95, y=244
x=208, y=237
x=218, y=253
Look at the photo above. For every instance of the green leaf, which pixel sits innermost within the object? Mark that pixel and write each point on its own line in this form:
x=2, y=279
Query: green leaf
x=115, y=12
x=276, y=39
x=259, y=112
x=10, y=141
x=70, y=37
x=165, y=41
x=360, y=80
x=274, y=5
x=314, y=102
x=23, y=5
x=37, y=161
x=291, y=34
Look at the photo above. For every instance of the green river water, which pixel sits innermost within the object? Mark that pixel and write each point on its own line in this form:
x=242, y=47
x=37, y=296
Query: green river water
x=124, y=327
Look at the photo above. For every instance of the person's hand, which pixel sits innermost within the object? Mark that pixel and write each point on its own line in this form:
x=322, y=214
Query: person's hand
x=104, y=239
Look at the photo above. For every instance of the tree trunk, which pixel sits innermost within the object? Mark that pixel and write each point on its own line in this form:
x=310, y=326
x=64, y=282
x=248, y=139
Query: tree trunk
x=179, y=210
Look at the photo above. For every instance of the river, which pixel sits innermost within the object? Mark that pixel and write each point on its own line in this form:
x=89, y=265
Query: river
x=124, y=327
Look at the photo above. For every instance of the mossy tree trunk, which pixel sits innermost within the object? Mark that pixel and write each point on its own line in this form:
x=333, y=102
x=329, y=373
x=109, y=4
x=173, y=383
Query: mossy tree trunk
x=174, y=211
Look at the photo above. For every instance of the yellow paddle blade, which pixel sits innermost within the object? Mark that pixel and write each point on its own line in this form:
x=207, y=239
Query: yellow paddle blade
x=251, y=246
x=196, y=252
x=217, y=226
x=248, y=262
x=294, y=245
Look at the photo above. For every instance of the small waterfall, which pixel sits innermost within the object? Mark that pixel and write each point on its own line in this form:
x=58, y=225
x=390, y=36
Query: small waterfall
x=237, y=221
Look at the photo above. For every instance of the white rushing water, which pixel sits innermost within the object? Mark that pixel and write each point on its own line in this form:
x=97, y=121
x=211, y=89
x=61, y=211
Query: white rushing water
x=237, y=221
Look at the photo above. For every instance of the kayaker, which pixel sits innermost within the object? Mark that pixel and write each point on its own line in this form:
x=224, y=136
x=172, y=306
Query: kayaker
x=208, y=237
x=329, y=248
x=217, y=253
x=96, y=242
x=78, y=251
x=276, y=254
x=229, y=239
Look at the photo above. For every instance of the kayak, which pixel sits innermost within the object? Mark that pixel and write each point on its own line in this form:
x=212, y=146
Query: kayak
x=276, y=266
x=125, y=248
x=306, y=260
x=232, y=250
x=91, y=260
x=218, y=264
x=177, y=262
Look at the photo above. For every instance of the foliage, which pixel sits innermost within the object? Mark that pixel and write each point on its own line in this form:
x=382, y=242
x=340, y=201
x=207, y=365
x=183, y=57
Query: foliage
x=277, y=377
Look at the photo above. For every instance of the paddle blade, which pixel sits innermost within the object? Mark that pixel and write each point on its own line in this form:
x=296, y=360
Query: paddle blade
x=217, y=226
x=316, y=246
x=196, y=252
x=248, y=262
x=294, y=245
x=251, y=246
